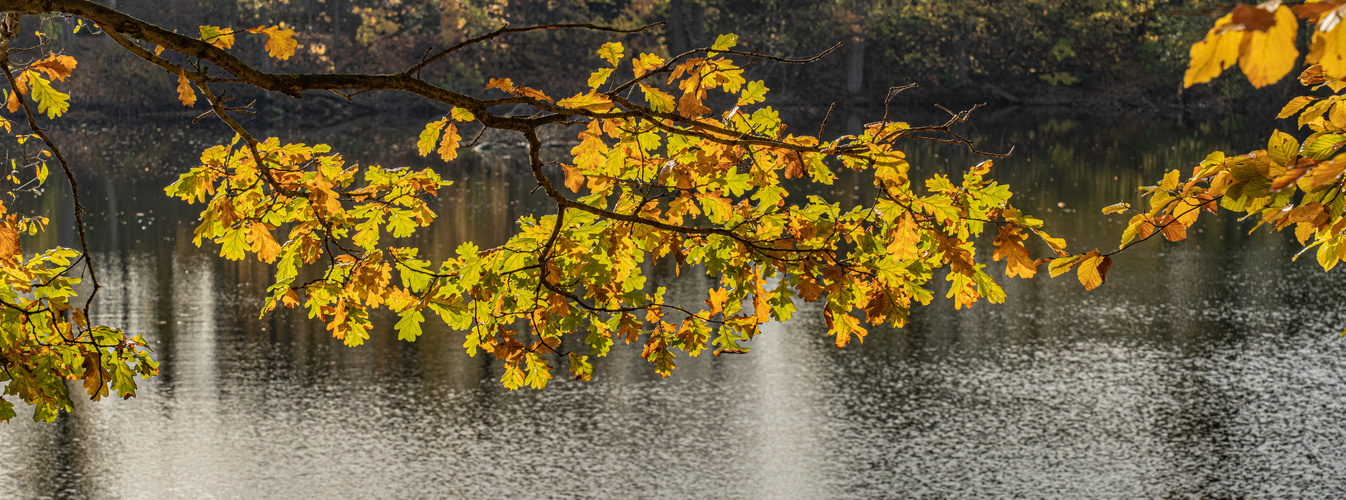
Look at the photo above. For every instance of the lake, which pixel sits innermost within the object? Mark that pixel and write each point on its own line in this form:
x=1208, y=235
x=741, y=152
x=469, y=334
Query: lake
x=1207, y=368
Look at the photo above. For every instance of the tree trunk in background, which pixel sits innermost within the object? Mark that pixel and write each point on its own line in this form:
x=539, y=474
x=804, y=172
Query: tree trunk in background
x=696, y=25
x=961, y=59
x=855, y=68
x=676, y=36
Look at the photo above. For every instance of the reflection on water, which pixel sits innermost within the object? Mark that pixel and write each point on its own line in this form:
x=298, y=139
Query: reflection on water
x=1206, y=369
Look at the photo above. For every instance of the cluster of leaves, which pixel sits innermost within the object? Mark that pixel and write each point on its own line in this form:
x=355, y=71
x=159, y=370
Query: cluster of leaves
x=648, y=189
x=658, y=175
x=1292, y=184
x=45, y=339
x=662, y=179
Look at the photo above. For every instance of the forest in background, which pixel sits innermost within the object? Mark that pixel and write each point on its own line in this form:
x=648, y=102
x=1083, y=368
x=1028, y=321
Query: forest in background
x=1099, y=56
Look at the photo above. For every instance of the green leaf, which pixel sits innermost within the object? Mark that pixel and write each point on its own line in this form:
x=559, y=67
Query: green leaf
x=1322, y=146
x=753, y=92
x=581, y=367
x=725, y=42
x=49, y=101
x=599, y=77
x=430, y=137
x=461, y=115
x=658, y=99
x=409, y=327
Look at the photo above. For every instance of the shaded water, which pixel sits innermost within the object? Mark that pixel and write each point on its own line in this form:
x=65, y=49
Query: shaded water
x=1210, y=368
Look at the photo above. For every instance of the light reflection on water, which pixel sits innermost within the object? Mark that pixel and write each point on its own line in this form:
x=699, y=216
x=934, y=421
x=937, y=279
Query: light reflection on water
x=1208, y=372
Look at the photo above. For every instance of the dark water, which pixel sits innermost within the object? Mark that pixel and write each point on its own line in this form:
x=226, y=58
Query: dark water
x=1210, y=368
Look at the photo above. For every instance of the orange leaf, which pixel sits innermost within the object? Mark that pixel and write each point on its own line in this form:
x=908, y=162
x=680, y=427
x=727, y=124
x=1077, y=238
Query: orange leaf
x=1288, y=178
x=1326, y=172
x=501, y=83
x=716, y=301
x=9, y=243
x=1171, y=228
x=280, y=42
x=1009, y=246
x=448, y=147
x=57, y=67
x=185, y=92
x=530, y=93
x=1312, y=11
x=263, y=244
x=574, y=179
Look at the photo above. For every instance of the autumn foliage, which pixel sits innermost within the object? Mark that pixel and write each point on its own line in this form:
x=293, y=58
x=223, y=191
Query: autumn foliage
x=678, y=159
x=1294, y=184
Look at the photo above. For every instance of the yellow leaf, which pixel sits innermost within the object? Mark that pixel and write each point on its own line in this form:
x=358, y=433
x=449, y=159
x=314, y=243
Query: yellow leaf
x=1294, y=106
x=590, y=101
x=1171, y=180
x=448, y=148
x=462, y=115
x=1329, y=50
x=599, y=77
x=1058, y=244
x=280, y=42
x=611, y=52
x=1267, y=56
x=1062, y=265
x=1093, y=269
x=185, y=92
x=646, y=63
x=1117, y=208
x=1219, y=50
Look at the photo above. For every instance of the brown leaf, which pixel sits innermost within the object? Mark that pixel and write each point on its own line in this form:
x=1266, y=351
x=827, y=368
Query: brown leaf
x=794, y=165
x=1253, y=18
x=690, y=105
x=9, y=243
x=1312, y=11
x=1312, y=76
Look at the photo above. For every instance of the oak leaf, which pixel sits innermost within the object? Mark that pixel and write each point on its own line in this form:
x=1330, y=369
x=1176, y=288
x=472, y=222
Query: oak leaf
x=185, y=92
x=57, y=67
x=280, y=42
x=448, y=147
